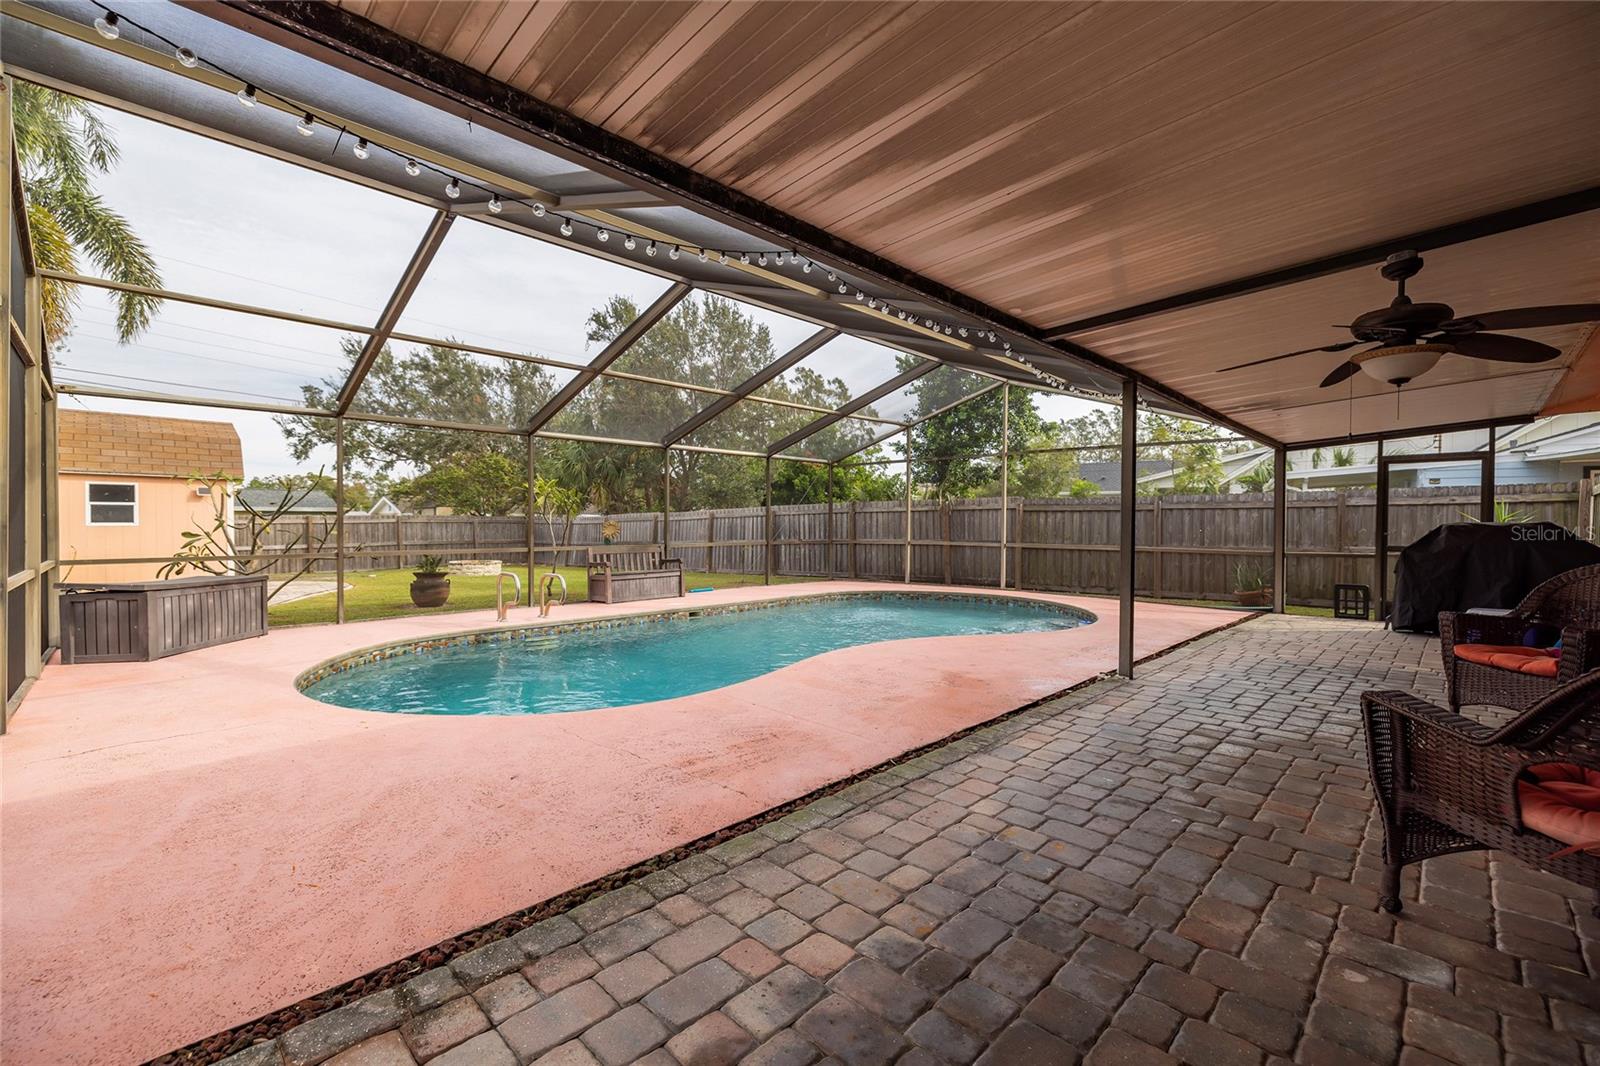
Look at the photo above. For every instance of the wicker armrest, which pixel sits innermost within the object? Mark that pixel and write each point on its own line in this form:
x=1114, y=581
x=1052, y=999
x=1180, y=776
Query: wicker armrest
x=1420, y=710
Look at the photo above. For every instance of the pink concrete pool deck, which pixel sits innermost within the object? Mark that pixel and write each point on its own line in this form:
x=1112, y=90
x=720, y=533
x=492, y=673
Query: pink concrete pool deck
x=190, y=844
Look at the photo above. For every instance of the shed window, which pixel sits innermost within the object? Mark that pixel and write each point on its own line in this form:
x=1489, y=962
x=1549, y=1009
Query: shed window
x=113, y=504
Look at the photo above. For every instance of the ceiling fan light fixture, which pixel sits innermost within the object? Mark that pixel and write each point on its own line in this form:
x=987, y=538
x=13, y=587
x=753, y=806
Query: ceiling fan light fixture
x=1398, y=364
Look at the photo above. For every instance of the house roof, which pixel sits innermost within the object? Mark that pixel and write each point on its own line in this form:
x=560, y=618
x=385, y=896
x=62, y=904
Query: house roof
x=267, y=500
x=98, y=442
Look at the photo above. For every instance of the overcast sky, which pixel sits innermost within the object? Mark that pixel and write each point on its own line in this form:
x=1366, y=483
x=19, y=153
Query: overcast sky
x=227, y=223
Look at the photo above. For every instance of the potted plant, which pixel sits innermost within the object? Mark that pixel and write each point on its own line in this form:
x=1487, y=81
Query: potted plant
x=432, y=585
x=1250, y=588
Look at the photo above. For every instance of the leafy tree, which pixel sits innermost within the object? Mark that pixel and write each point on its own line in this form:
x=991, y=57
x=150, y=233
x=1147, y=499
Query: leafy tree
x=485, y=483
x=1258, y=478
x=62, y=143
x=1344, y=457
x=556, y=501
x=432, y=382
x=947, y=449
x=808, y=482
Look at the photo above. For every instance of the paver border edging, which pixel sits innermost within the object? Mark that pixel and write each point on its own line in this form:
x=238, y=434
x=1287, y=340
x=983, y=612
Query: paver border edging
x=268, y=1027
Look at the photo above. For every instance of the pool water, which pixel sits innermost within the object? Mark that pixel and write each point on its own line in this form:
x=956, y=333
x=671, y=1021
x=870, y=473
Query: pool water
x=657, y=660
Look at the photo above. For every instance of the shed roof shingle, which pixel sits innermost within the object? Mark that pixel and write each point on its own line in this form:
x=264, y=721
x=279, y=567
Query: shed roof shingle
x=98, y=442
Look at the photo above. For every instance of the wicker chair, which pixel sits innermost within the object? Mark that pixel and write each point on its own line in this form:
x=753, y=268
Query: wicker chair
x=1569, y=602
x=1446, y=783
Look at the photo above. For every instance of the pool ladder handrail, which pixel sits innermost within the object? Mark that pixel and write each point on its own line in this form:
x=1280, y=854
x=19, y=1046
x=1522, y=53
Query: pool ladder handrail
x=499, y=593
x=544, y=597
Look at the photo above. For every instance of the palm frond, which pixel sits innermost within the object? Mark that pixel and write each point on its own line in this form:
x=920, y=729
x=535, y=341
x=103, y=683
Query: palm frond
x=117, y=251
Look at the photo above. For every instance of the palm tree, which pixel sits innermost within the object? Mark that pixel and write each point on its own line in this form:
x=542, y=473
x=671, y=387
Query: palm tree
x=61, y=145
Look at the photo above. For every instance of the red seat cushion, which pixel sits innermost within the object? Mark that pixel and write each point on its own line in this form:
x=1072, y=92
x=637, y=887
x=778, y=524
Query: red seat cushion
x=1540, y=661
x=1562, y=801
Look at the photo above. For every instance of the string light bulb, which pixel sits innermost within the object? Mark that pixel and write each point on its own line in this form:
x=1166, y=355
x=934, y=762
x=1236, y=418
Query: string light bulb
x=495, y=206
x=247, y=95
x=307, y=125
x=413, y=167
x=629, y=243
x=650, y=249
x=108, y=27
x=744, y=257
x=187, y=58
x=674, y=252
x=805, y=268
x=703, y=253
x=453, y=190
x=538, y=209
x=761, y=260
x=361, y=149
x=566, y=227
x=603, y=236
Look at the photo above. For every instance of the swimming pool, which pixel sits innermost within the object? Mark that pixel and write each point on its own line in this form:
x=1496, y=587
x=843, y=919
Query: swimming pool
x=640, y=659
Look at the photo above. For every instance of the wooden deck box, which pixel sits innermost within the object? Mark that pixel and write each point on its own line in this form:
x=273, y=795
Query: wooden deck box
x=143, y=620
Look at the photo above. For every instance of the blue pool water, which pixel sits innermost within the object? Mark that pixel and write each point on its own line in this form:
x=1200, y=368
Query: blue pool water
x=657, y=660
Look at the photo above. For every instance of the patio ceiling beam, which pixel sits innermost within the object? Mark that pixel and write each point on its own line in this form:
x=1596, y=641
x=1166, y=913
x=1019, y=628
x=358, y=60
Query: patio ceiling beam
x=750, y=385
x=1488, y=225
x=608, y=355
x=389, y=59
x=432, y=238
x=864, y=400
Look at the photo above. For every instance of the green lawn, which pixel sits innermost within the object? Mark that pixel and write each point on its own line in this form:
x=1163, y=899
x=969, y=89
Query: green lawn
x=1229, y=605
x=386, y=593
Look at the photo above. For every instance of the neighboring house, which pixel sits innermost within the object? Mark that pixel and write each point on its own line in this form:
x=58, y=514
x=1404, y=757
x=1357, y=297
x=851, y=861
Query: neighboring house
x=1107, y=476
x=384, y=508
x=1561, y=448
x=126, y=488
x=267, y=501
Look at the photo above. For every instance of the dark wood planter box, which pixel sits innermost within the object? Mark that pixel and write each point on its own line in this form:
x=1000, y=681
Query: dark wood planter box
x=143, y=620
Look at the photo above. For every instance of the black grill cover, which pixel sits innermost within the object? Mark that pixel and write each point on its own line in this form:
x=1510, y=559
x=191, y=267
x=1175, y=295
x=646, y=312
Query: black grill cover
x=1464, y=565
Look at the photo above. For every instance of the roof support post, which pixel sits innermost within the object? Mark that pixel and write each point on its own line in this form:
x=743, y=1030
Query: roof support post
x=338, y=521
x=1487, y=490
x=409, y=280
x=908, y=507
x=608, y=355
x=530, y=530
x=1005, y=473
x=666, y=502
x=828, y=549
x=767, y=526
x=1126, y=561
x=1280, y=528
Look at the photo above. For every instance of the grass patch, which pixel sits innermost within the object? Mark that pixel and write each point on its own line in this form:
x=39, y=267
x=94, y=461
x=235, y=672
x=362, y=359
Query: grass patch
x=387, y=593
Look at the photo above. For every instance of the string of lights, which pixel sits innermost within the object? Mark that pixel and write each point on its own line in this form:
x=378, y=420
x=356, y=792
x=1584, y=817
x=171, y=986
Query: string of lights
x=109, y=25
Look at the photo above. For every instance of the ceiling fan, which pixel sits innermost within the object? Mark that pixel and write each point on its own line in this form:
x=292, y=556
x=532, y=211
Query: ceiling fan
x=1406, y=339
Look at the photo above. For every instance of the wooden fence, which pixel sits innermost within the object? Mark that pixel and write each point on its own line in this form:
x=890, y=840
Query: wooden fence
x=1189, y=547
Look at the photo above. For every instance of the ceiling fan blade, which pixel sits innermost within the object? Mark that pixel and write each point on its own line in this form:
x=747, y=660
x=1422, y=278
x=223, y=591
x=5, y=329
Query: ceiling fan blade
x=1340, y=373
x=1525, y=318
x=1501, y=348
x=1339, y=347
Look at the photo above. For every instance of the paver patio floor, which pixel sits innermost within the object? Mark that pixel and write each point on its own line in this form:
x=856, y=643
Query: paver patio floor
x=1177, y=868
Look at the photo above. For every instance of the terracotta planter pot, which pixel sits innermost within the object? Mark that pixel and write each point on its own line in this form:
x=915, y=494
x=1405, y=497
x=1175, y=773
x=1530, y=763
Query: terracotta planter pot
x=429, y=590
x=1253, y=597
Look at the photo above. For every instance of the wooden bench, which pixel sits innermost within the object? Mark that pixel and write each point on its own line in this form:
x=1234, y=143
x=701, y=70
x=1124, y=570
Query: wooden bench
x=625, y=574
